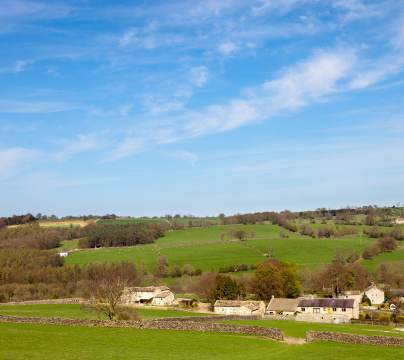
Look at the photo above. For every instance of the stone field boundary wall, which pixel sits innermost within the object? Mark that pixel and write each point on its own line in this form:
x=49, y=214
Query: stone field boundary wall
x=210, y=318
x=270, y=333
x=47, y=302
x=206, y=326
x=354, y=338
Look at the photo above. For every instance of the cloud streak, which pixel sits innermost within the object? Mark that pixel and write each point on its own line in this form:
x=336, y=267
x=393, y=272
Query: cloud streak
x=14, y=159
x=307, y=82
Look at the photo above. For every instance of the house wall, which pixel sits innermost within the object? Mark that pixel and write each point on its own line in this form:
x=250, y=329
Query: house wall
x=327, y=314
x=230, y=310
x=168, y=300
x=136, y=297
x=375, y=295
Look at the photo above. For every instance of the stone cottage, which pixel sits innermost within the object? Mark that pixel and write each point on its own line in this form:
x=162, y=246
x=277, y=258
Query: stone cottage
x=327, y=310
x=375, y=294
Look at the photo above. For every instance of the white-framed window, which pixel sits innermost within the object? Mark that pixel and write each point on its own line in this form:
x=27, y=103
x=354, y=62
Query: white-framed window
x=316, y=310
x=334, y=309
x=343, y=310
x=303, y=309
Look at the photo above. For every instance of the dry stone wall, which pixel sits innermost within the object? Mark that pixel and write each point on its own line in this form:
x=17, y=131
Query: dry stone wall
x=275, y=334
x=211, y=318
x=47, y=302
x=354, y=338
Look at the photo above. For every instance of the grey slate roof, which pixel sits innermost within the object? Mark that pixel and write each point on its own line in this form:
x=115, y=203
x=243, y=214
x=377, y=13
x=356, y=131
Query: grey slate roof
x=327, y=303
x=249, y=304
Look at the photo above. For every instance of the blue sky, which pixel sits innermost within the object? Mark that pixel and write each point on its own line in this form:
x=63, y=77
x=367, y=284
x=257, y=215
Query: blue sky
x=200, y=107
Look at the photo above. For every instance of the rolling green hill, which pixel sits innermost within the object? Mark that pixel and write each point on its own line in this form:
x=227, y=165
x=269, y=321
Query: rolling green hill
x=203, y=248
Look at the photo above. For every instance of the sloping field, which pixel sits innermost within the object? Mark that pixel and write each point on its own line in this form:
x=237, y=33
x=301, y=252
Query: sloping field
x=394, y=258
x=37, y=342
x=205, y=249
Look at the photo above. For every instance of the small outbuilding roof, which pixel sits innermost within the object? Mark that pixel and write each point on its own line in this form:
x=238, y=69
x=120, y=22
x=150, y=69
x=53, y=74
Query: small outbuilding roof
x=283, y=304
x=352, y=292
x=163, y=294
x=249, y=304
x=148, y=288
x=327, y=303
x=372, y=286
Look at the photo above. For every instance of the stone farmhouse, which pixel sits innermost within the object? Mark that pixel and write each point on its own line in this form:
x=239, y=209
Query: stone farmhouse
x=152, y=295
x=375, y=294
x=238, y=307
x=282, y=306
x=327, y=310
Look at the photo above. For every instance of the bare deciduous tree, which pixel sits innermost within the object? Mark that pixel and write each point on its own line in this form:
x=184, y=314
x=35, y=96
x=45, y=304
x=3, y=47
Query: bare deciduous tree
x=106, y=283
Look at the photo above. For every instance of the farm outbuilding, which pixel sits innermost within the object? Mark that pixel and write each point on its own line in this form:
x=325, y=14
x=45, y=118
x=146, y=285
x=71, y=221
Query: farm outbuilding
x=238, y=307
x=152, y=295
x=282, y=306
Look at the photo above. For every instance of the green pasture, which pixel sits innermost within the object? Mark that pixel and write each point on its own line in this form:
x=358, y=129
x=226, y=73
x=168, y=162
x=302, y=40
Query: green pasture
x=37, y=342
x=299, y=329
x=76, y=311
x=394, y=258
x=182, y=220
x=205, y=249
x=128, y=221
x=67, y=245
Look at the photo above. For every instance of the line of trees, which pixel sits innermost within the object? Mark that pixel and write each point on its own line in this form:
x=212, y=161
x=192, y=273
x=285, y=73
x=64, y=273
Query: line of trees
x=271, y=278
x=33, y=236
x=100, y=235
x=27, y=274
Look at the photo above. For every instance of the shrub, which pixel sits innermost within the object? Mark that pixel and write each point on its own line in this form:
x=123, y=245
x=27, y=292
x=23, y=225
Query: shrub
x=126, y=313
x=387, y=244
x=373, y=232
x=371, y=251
x=366, y=300
x=326, y=232
x=397, y=233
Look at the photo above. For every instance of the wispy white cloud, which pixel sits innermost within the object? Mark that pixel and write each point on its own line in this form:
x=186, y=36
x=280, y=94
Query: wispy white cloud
x=127, y=38
x=358, y=9
x=374, y=70
x=199, y=75
x=15, y=159
x=16, y=68
x=281, y=6
x=30, y=9
x=297, y=86
x=184, y=155
x=81, y=143
x=129, y=146
x=227, y=48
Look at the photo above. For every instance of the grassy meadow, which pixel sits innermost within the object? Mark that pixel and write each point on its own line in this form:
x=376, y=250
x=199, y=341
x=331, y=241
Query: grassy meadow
x=37, y=342
x=299, y=329
x=76, y=311
x=203, y=248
